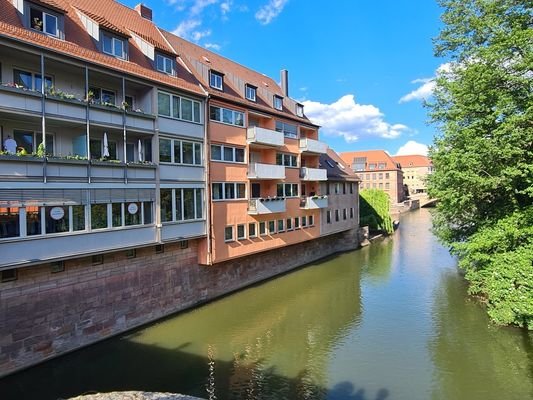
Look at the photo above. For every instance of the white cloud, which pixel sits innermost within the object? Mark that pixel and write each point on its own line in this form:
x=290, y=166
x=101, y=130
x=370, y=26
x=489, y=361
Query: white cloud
x=412, y=147
x=425, y=91
x=187, y=30
x=225, y=7
x=212, y=46
x=350, y=120
x=199, y=5
x=269, y=11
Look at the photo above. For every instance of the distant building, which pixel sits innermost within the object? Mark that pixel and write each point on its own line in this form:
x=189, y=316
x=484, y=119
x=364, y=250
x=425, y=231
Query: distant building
x=377, y=170
x=416, y=169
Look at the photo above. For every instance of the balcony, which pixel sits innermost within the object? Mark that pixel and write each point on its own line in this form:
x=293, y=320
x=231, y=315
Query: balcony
x=313, y=146
x=313, y=174
x=140, y=121
x=20, y=100
x=266, y=171
x=21, y=168
x=65, y=108
x=314, y=202
x=105, y=115
x=265, y=137
x=267, y=206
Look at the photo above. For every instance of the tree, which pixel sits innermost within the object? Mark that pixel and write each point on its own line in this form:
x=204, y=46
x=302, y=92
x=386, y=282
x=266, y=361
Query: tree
x=483, y=154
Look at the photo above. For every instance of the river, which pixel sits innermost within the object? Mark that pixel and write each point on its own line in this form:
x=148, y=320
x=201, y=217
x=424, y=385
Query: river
x=391, y=321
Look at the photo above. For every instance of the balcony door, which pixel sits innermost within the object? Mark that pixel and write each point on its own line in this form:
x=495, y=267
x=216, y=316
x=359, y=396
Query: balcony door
x=256, y=190
x=255, y=157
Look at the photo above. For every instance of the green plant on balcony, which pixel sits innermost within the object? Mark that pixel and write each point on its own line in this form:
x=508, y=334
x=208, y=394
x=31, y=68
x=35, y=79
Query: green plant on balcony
x=55, y=92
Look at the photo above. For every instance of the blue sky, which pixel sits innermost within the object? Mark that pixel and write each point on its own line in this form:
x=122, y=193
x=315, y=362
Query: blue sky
x=360, y=67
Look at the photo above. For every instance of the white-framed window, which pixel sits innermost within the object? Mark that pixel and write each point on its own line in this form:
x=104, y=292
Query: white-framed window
x=170, y=105
x=252, y=230
x=113, y=45
x=288, y=160
x=44, y=21
x=311, y=220
x=344, y=214
x=271, y=227
x=304, y=221
x=228, y=191
x=351, y=212
x=30, y=80
x=296, y=222
x=287, y=190
x=278, y=102
x=176, y=151
x=299, y=110
x=216, y=80
x=164, y=64
x=30, y=140
x=182, y=204
x=250, y=92
x=289, y=224
x=101, y=96
x=262, y=228
x=226, y=116
x=228, y=234
x=289, y=130
x=227, y=153
x=337, y=216
x=328, y=216
x=281, y=225
x=241, y=232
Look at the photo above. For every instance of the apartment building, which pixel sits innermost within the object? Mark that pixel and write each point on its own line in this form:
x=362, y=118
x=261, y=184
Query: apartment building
x=102, y=133
x=263, y=159
x=341, y=190
x=377, y=170
x=416, y=169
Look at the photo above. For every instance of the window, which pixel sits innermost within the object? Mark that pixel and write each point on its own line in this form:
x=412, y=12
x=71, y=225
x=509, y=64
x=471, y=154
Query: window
x=289, y=130
x=344, y=214
x=30, y=80
x=29, y=141
x=97, y=259
x=337, y=216
x=228, y=191
x=241, y=232
x=57, y=266
x=169, y=105
x=102, y=96
x=359, y=163
x=328, y=216
x=252, y=233
x=337, y=188
x=300, y=110
x=56, y=219
x=372, y=166
x=164, y=64
x=288, y=160
x=281, y=225
x=159, y=248
x=351, y=188
x=311, y=220
x=387, y=176
x=296, y=222
x=262, y=228
x=183, y=204
x=304, y=221
x=287, y=190
x=113, y=45
x=226, y=116
x=344, y=188
x=380, y=175
x=387, y=185
x=351, y=213
x=8, y=275
x=382, y=165
x=216, y=80
x=44, y=22
x=177, y=151
x=228, y=234
x=327, y=189
x=289, y=224
x=131, y=253
x=250, y=92
x=9, y=222
x=278, y=103
x=271, y=227
x=227, y=153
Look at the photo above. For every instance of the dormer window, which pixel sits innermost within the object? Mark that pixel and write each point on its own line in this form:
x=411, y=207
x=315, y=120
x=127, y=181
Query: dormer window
x=164, y=64
x=278, y=103
x=216, y=80
x=113, y=45
x=299, y=110
x=250, y=92
x=43, y=21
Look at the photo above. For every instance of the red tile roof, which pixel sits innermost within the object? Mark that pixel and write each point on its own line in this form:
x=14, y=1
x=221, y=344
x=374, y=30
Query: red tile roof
x=79, y=44
x=337, y=168
x=236, y=76
x=410, y=161
x=372, y=157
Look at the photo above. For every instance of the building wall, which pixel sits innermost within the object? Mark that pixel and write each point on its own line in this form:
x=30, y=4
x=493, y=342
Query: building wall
x=340, y=202
x=416, y=179
x=45, y=314
x=392, y=185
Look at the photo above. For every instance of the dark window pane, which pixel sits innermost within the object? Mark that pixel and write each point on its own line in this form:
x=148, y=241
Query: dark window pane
x=199, y=203
x=196, y=107
x=197, y=153
x=165, y=150
x=163, y=104
x=148, y=213
x=188, y=204
x=24, y=141
x=186, y=109
x=9, y=222
x=33, y=221
x=241, y=190
x=228, y=154
x=78, y=218
x=187, y=150
x=239, y=155
x=177, y=151
x=216, y=152
x=95, y=148
x=217, y=191
x=116, y=214
x=166, y=205
x=98, y=216
x=50, y=24
x=179, y=207
x=230, y=191
x=132, y=214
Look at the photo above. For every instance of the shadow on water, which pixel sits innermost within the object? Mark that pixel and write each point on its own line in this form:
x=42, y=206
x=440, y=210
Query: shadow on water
x=273, y=341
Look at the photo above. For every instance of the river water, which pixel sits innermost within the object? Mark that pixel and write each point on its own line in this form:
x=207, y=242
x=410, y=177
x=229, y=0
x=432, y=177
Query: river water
x=391, y=321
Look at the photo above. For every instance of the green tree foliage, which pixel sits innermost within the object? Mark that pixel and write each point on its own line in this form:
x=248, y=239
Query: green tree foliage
x=374, y=207
x=483, y=155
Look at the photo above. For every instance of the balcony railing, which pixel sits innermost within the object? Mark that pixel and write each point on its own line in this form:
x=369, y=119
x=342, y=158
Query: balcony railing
x=313, y=146
x=313, y=174
x=267, y=206
x=20, y=100
x=265, y=137
x=314, y=202
x=266, y=171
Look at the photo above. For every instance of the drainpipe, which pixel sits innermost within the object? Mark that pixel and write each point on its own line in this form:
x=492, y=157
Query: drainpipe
x=124, y=130
x=43, y=116
x=155, y=158
x=209, y=208
x=87, y=125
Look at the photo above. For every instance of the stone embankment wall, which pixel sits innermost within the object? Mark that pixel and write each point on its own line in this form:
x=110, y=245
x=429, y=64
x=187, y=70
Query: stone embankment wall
x=45, y=314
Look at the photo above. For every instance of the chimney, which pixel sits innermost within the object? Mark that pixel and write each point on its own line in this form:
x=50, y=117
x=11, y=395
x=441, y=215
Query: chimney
x=144, y=11
x=285, y=82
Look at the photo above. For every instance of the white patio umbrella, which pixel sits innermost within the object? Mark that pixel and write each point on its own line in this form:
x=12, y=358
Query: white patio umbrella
x=106, y=146
x=140, y=151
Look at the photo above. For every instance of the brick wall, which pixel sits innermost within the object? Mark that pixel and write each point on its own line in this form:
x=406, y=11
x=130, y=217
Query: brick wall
x=45, y=314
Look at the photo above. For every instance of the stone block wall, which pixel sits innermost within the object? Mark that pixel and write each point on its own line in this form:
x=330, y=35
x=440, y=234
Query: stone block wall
x=45, y=314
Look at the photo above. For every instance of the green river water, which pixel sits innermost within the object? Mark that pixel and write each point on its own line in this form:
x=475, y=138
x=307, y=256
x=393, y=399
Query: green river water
x=391, y=321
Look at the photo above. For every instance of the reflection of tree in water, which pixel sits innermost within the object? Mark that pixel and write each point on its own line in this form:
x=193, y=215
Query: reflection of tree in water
x=376, y=260
x=473, y=359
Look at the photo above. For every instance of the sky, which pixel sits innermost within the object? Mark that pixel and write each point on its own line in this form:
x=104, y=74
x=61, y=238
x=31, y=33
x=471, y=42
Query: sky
x=362, y=68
